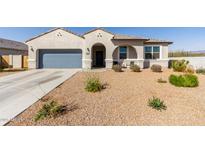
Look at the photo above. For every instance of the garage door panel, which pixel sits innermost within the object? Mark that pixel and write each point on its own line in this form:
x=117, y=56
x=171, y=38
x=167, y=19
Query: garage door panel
x=70, y=58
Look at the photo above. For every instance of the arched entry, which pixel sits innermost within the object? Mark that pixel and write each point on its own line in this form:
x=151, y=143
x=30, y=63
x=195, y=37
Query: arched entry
x=98, y=55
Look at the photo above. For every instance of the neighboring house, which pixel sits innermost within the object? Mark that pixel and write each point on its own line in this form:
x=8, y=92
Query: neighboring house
x=60, y=48
x=13, y=54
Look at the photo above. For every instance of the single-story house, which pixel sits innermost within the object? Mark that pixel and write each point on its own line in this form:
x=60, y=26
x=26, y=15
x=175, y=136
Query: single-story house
x=60, y=48
x=13, y=54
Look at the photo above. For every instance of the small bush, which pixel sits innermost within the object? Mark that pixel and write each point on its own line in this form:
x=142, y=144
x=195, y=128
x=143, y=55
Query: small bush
x=179, y=65
x=51, y=109
x=160, y=80
x=156, y=68
x=157, y=104
x=117, y=68
x=135, y=68
x=190, y=69
x=200, y=70
x=186, y=80
x=93, y=84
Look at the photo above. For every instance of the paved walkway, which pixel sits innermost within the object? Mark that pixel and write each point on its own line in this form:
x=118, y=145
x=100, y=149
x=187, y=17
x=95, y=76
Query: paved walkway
x=21, y=90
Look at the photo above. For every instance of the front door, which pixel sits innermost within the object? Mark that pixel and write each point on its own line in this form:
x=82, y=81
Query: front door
x=99, y=59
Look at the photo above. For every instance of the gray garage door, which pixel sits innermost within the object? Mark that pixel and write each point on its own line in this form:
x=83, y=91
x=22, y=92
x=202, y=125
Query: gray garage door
x=68, y=58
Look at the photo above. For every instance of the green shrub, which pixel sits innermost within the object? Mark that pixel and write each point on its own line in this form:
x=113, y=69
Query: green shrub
x=179, y=65
x=51, y=109
x=93, y=84
x=160, y=80
x=156, y=68
x=186, y=80
x=117, y=68
x=135, y=68
x=157, y=104
x=200, y=70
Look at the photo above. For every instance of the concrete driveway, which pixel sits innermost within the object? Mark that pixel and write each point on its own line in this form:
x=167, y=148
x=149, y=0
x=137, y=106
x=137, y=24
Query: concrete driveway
x=21, y=90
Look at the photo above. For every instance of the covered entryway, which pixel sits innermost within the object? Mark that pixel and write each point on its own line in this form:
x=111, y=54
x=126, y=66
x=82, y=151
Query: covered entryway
x=60, y=58
x=98, y=55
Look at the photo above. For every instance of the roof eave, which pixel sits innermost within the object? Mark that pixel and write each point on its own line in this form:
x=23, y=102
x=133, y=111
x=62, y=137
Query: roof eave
x=13, y=49
x=159, y=42
x=50, y=32
x=129, y=39
x=99, y=28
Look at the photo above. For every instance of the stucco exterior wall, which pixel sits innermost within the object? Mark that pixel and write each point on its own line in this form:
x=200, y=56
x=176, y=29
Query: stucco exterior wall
x=165, y=50
x=61, y=39
x=115, y=54
x=58, y=39
x=138, y=45
x=99, y=37
x=132, y=53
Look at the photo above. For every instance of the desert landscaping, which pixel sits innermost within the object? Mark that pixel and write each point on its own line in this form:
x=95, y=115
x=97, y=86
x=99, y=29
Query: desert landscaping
x=122, y=101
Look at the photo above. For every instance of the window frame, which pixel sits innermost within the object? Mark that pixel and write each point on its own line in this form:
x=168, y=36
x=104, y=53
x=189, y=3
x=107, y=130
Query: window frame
x=152, y=51
x=126, y=52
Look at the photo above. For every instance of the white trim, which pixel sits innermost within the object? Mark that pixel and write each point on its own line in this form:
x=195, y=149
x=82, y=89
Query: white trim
x=87, y=59
x=31, y=60
x=141, y=59
x=127, y=52
x=132, y=59
x=160, y=52
x=118, y=55
x=162, y=59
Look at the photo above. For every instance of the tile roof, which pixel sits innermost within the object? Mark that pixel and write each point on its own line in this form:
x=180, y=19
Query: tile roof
x=158, y=41
x=10, y=44
x=99, y=28
x=129, y=37
x=115, y=36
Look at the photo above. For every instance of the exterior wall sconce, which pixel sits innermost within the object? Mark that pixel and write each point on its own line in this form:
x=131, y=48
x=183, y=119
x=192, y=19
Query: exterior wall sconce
x=88, y=51
x=32, y=48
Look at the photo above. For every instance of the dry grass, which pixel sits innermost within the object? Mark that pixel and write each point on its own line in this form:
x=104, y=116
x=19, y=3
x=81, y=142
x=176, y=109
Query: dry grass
x=124, y=101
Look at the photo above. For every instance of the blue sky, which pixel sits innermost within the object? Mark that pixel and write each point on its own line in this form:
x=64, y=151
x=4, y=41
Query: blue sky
x=183, y=38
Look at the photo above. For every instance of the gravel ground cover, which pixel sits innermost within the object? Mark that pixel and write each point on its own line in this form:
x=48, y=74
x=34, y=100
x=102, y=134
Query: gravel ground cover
x=123, y=102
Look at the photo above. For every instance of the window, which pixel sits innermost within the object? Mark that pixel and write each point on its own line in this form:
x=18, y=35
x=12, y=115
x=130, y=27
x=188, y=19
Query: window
x=148, y=52
x=156, y=51
x=123, y=52
x=152, y=52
